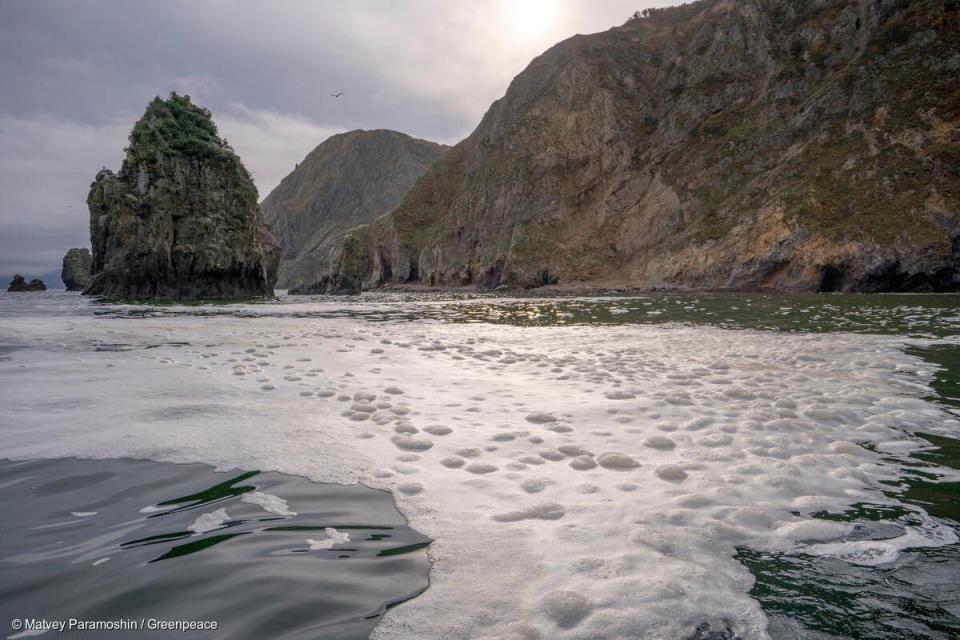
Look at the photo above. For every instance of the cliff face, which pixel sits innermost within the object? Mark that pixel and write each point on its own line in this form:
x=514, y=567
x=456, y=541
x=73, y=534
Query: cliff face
x=180, y=220
x=76, y=269
x=346, y=277
x=348, y=180
x=759, y=143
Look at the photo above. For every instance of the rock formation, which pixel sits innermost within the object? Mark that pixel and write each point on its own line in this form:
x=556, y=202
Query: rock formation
x=803, y=146
x=180, y=220
x=19, y=283
x=346, y=277
x=348, y=180
x=76, y=269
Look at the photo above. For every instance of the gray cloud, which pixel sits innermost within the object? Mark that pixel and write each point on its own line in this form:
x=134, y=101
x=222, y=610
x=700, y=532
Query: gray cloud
x=76, y=74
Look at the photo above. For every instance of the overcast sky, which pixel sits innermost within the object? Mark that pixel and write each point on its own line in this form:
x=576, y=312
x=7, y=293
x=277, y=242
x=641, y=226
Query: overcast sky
x=76, y=74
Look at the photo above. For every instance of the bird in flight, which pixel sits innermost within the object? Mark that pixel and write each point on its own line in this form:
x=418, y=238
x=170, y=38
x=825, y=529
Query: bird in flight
x=336, y=95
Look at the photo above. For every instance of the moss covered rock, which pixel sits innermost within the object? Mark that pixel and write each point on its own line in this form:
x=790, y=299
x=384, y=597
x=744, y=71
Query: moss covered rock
x=180, y=220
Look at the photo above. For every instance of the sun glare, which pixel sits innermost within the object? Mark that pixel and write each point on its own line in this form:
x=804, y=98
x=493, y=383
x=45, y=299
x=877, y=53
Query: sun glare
x=528, y=20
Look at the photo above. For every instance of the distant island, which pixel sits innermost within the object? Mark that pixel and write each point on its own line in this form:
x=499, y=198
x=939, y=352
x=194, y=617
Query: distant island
x=19, y=283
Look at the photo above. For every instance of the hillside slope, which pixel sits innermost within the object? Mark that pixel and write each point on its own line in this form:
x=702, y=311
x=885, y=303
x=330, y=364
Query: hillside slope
x=349, y=179
x=752, y=144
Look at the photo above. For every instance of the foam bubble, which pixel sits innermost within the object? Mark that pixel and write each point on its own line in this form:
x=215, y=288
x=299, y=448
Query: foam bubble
x=671, y=473
x=268, y=502
x=332, y=539
x=545, y=511
x=617, y=461
x=209, y=522
x=566, y=608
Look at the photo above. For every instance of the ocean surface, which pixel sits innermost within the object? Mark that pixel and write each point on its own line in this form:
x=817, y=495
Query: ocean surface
x=645, y=466
x=262, y=554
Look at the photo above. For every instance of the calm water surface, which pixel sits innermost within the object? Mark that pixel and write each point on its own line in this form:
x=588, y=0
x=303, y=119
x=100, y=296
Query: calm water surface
x=122, y=539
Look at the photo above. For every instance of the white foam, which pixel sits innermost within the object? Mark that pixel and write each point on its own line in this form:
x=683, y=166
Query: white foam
x=764, y=426
x=877, y=552
x=268, y=502
x=333, y=538
x=815, y=530
x=153, y=508
x=209, y=521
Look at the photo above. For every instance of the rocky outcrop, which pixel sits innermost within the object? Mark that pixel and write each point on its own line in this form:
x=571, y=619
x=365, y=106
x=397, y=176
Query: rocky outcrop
x=19, y=283
x=76, y=269
x=346, y=277
x=180, y=220
x=348, y=180
x=802, y=146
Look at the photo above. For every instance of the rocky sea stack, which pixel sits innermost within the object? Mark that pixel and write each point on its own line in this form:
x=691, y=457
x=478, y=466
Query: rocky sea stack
x=19, y=283
x=180, y=220
x=799, y=146
x=76, y=269
x=348, y=180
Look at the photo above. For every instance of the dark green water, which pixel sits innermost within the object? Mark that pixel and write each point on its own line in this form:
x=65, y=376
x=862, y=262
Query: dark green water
x=918, y=596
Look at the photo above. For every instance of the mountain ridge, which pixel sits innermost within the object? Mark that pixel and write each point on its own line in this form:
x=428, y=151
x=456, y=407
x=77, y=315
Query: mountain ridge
x=755, y=144
x=348, y=179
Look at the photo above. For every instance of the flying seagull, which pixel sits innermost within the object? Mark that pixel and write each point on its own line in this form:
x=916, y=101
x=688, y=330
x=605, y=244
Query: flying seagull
x=336, y=95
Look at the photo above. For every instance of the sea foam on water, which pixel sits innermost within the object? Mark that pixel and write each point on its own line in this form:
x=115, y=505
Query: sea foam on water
x=579, y=482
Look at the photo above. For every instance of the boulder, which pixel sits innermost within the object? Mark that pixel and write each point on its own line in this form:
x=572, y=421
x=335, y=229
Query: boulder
x=76, y=269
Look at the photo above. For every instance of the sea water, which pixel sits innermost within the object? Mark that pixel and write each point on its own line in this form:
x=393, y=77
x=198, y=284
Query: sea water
x=651, y=466
x=235, y=554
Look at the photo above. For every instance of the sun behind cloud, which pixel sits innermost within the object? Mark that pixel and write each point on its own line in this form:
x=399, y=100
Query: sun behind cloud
x=529, y=21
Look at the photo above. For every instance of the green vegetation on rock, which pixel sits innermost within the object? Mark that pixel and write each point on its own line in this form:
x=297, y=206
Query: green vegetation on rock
x=180, y=221
x=176, y=126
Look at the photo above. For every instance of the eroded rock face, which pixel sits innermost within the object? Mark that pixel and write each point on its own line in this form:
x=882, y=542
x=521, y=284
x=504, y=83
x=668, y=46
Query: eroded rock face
x=348, y=180
x=76, y=269
x=721, y=144
x=346, y=277
x=180, y=220
x=19, y=283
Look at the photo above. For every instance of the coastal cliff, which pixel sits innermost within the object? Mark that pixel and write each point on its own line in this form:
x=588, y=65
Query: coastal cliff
x=349, y=179
x=798, y=146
